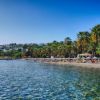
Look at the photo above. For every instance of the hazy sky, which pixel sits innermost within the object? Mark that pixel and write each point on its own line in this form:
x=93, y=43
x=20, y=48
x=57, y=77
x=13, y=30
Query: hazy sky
x=41, y=21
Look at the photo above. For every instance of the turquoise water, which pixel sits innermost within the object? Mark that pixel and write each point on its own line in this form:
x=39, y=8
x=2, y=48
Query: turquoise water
x=26, y=80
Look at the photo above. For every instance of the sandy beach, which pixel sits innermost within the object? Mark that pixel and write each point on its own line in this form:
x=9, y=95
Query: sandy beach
x=87, y=65
x=64, y=61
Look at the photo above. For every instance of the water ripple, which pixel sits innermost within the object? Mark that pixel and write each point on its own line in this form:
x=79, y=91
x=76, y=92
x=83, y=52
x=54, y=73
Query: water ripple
x=26, y=80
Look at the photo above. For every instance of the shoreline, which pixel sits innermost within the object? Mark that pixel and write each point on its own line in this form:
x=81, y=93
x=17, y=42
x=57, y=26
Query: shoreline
x=85, y=65
x=63, y=61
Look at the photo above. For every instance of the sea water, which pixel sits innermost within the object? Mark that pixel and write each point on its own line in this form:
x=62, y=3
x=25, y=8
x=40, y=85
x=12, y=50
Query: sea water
x=28, y=80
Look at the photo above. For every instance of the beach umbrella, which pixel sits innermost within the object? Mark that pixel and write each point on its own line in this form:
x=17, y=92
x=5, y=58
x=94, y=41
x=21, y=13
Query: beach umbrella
x=85, y=54
x=88, y=58
x=94, y=57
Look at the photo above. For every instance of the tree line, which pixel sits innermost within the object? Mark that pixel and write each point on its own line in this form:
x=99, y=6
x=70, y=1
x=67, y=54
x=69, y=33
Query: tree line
x=85, y=42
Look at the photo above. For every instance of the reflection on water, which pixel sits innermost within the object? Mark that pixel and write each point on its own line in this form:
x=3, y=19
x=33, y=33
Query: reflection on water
x=26, y=80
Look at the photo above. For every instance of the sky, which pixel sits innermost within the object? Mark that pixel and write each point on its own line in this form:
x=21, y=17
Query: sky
x=42, y=21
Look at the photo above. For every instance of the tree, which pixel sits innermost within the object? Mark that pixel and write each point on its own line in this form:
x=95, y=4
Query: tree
x=95, y=39
x=96, y=34
x=67, y=40
x=83, y=41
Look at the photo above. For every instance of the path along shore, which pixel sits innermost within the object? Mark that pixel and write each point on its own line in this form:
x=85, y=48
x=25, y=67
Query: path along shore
x=68, y=61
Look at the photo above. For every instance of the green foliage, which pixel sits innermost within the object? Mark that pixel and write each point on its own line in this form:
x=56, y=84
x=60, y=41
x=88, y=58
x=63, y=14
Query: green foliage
x=98, y=49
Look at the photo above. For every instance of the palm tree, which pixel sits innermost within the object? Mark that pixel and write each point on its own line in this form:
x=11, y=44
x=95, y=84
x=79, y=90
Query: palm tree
x=83, y=41
x=96, y=34
x=74, y=48
x=67, y=40
x=95, y=38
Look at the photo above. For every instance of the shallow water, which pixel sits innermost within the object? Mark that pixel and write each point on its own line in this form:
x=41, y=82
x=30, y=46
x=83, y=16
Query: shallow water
x=27, y=80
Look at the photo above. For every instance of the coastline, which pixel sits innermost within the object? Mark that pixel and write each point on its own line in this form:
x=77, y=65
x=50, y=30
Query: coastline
x=64, y=61
x=61, y=61
x=85, y=65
